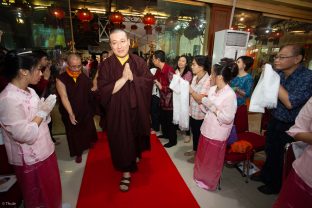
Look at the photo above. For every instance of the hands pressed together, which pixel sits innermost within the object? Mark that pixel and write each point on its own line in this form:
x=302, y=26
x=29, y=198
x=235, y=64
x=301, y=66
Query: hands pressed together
x=45, y=106
x=209, y=104
x=127, y=73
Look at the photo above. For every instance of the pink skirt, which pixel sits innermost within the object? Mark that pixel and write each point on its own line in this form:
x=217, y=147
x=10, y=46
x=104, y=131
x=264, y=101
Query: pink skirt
x=40, y=183
x=209, y=162
x=295, y=193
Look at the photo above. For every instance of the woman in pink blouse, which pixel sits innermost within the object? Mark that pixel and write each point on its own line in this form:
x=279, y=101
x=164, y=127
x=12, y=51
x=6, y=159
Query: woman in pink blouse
x=220, y=106
x=201, y=68
x=297, y=189
x=24, y=120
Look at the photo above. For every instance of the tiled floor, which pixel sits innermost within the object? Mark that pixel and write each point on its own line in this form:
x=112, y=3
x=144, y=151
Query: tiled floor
x=234, y=193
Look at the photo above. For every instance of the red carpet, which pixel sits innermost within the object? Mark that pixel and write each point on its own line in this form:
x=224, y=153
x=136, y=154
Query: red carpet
x=157, y=183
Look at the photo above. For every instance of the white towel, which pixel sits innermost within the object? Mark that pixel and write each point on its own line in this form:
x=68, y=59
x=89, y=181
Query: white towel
x=180, y=88
x=265, y=94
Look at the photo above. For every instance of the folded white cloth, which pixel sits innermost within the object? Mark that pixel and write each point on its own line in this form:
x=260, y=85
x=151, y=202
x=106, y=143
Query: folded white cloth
x=265, y=94
x=180, y=88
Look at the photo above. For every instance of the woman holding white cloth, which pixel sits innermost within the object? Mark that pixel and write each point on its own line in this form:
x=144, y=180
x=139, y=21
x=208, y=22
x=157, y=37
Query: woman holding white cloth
x=220, y=105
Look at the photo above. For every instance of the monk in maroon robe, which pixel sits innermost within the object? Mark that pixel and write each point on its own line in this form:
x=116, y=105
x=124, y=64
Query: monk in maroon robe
x=77, y=107
x=125, y=87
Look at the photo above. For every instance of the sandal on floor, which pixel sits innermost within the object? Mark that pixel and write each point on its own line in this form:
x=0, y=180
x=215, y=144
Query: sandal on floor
x=124, y=184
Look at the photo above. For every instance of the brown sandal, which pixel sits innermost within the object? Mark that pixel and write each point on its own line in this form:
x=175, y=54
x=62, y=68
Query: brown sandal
x=124, y=184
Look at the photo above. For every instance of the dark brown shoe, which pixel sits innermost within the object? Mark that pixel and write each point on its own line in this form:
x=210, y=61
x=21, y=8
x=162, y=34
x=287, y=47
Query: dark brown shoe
x=78, y=159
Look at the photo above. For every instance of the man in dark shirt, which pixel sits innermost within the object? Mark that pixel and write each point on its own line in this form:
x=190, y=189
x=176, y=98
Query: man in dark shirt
x=294, y=91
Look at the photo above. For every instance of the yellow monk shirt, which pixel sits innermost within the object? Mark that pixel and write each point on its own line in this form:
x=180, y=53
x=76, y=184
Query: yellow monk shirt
x=123, y=60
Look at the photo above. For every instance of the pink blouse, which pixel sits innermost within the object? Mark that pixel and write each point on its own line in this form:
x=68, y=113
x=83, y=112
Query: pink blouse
x=23, y=139
x=303, y=165
x=202, y=87
x=218, y=127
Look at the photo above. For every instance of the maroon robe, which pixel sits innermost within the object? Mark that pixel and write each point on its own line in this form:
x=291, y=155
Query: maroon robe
x=127, y=111
x=81, y=135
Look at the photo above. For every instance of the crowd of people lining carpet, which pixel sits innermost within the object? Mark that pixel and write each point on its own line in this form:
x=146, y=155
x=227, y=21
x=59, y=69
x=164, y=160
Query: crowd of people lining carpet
x=136, y=97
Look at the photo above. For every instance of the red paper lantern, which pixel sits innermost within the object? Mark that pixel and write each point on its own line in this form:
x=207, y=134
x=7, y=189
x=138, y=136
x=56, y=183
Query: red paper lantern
x=134, y=27
x=149, y=19
x=116, y=18
x=84, y=15
x=58, y=13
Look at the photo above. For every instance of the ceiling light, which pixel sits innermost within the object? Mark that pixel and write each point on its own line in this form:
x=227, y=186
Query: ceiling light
x=40, y=7
x=297, y=31
x=241, y=19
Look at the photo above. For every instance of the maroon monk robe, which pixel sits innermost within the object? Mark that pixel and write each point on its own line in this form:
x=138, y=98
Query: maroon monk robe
x=127, y=111
x=81, y=135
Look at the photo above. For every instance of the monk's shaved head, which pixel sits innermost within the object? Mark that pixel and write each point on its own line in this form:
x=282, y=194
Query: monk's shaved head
x=73, y=56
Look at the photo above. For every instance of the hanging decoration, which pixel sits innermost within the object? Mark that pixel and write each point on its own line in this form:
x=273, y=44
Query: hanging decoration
x=84, y=15
x=171, y=22
x=116, y=18
x=194, y=29
x=134, y=27
x=58, y=13
x=148, y=29
x=158, y=28
x=149, y=19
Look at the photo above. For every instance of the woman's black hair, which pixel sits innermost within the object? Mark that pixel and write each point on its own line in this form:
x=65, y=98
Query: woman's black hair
x=248, y=61
x=14, y=61
x=203, y=61
x=187, y=66
x=227, y=68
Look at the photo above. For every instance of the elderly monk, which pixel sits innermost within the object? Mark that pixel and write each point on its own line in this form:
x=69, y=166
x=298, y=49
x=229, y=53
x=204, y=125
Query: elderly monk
x=77, y=107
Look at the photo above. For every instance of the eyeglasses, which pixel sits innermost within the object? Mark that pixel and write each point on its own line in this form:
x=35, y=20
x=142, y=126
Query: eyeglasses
x=282, y=57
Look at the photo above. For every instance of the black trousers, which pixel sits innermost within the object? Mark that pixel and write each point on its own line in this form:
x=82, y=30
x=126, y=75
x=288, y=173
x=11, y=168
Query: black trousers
x=155, y=111
x=50, y=130
x=276, y=139
x=169, y=130
x=195, y=128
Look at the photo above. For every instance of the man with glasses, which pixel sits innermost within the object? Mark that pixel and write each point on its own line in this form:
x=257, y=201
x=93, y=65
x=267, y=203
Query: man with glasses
x=76, y=107
x=294, y=91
